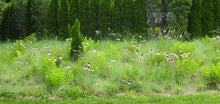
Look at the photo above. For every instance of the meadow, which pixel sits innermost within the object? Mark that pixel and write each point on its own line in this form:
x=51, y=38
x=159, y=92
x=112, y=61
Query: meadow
x=117, y=68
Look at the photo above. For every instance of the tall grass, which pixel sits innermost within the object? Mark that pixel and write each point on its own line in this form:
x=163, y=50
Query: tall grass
x=108, y=68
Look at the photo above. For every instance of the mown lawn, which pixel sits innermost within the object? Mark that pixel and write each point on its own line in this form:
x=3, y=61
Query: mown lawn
x=204, y=98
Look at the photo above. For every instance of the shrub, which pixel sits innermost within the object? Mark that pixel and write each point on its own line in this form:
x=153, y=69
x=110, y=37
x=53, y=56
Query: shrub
x=77, y=39
x=75, y=92
x=211, y=74
x=184, y=48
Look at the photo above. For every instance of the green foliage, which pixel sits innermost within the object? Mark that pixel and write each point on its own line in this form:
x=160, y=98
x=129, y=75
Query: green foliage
x=216, y=12
x=113, y=53
x=93, y=19
x=73, y=11
x=83, y=16
x=140, y=15
x=8, y=26
x=28, y=19
x=181, y=9
x=77, y=39
x=74, y=92
x=207, y=17
x=186, y=70
x=62, y=19
x=104, y=16
x=183, y=48
x=211, y=74
x=52, y=17
x=194, y=24
x=2, y=5
x=21, y=44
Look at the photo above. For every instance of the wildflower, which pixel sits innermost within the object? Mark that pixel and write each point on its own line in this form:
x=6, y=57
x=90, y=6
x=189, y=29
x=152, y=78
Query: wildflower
x=97, y=31
x=92, y=69
x=38, y=50
x=176, y=55
x=109, y=28
x=61, y=58
x=140, y=60
x=85, y=67
x=94, y=50
x=128, y=82
x=49, y=59
x=96, y=83
x=113, y=33
x=122, y=80
x=55, y=59
x=169, y=37
x=146, y=53
x=151, y=51
x=138, y=47
x=136, y=51
x=167, y=58
x=118, y=39
x=172, y=53
x=126, y=49
x=88, y=68
x=180, y=50
x=131, y=41
x=140, y=36
x=48, y=53
x=88, y=64
x=142, y=56
x=68, y=67
x=133, y=45
x=126, y=63
x=182, y=55
x=65, y=67
x=26, y=62
x=112, y=60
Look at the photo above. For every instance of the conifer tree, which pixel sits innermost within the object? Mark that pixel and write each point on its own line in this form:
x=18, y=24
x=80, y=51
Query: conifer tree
x=62, y=19
x=207, y=16
x=4, y=23
x=194, y=25
x=93, y=18
x=77, y=39
x=127, y=14
x=28, y=20
x=140, y=15
x=116, y=16
x=52, y=17
x=84, y=16
x=105, y=19
x=216, y=13
x=73, y=11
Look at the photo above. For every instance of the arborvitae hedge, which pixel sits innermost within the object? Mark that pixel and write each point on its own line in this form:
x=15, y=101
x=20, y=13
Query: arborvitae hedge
x=116, y=16
x=52, y=17
x=207, y=16
x=140, y=15
x=194, y=25
x=62, y=19
x=8, y=25
x=28, y=20
x=216, y=13
x=93, y=18
x=84, y=16
x=73, y=11
x=105, y=19
x=77, y=39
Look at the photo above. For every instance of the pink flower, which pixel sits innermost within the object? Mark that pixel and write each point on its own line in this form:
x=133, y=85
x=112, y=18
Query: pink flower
x=151, y=51
x=142, y=56
x=140, y=36
x=48, y=53
x=133, y=45
x=126, y=49
x=68, y=67
x=128, y=82
x=180, y=50
x=88, y=64
x=49, y=59
x=61, y=58
x=55, y=59
x=118, y=39
x=138, y=47
x=85, y=67
x=137, y=52
x=96, y=84
x=92, y=69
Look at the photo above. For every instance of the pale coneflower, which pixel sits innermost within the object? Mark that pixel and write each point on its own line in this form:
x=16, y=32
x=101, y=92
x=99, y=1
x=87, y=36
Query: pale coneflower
x=88, y=64
x=85, y=68
x=180, y=50
x=49, y=59
x=136, y=51
x=88, y=68
x=55, y=59
x=61, y=58
x=126, y=49
x=118, y=39
x=96, y=84
x=151, y=51
x=182, y=55
x=128, y=82
x=140, y=36
x=142, y=56
x=92, y=69
x=68, y=67
x=176, y=55
x=172, y=53
x=112, y=60
x=138, y=47
x=126, y=63
x=48, y=53
x=133, y=45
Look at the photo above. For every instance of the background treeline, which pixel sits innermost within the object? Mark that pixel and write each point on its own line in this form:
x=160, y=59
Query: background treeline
x=98, y=18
